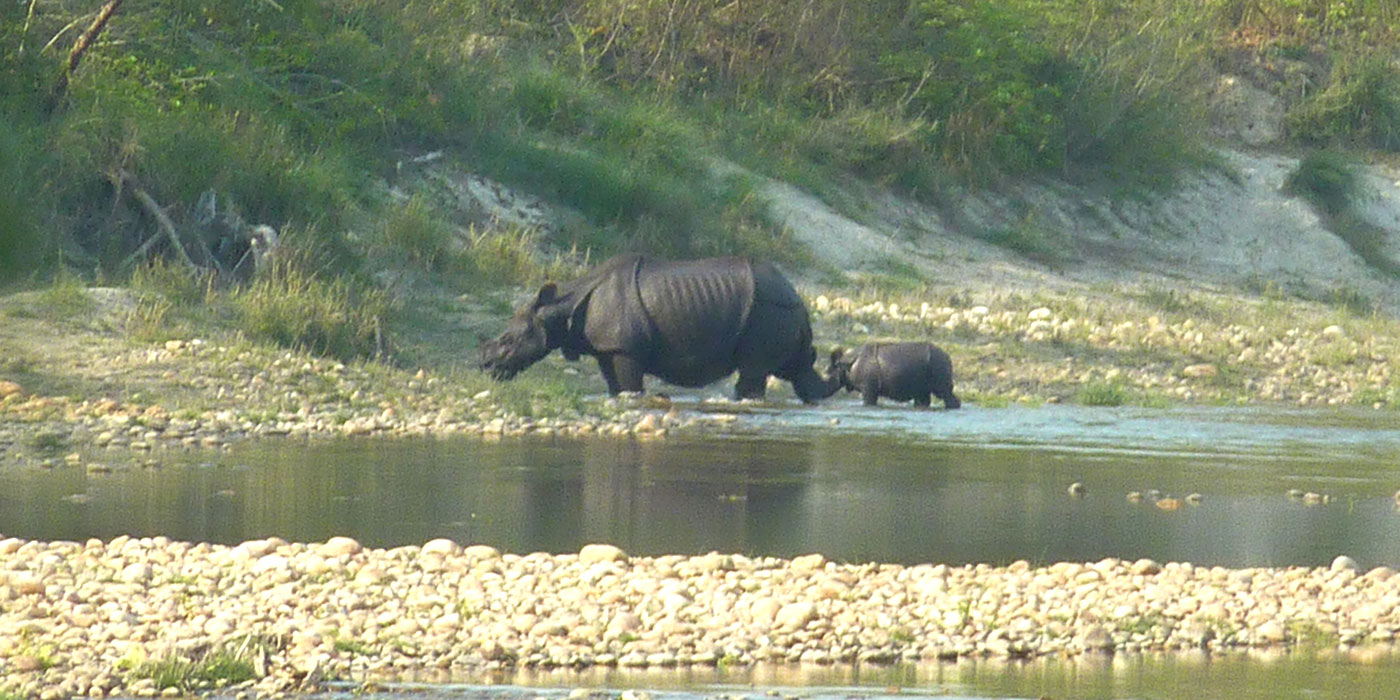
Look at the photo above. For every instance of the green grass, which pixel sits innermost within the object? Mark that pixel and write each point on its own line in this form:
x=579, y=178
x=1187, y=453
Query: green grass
x=1034, y=241
x=295, y=309
x=229, y=664
x=353, y=647
x=1359, y=107
x=66, y=297
x=48, y=441
x=1103, y=393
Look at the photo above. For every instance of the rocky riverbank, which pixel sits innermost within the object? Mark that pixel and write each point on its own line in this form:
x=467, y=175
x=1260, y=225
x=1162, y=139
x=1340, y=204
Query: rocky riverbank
x=154, y=617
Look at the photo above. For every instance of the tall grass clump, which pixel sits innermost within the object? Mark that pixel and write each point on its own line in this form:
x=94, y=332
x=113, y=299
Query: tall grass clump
x=1360, y=107
x=228, y=664
x=1103, y=393
x=415, y=229
x=502, y=255
x=1331, y=181
x=22, y=248
x=1328, y=179
x=330, y=317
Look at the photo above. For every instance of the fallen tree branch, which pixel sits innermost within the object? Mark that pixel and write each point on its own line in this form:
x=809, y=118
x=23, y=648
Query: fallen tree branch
x=80, y=47
x=162, y=221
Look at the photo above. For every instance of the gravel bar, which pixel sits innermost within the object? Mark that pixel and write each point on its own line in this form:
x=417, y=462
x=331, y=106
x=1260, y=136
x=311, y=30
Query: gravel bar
x=154, y=617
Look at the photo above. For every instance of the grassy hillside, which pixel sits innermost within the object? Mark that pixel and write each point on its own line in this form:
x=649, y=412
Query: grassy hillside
x=298, y=113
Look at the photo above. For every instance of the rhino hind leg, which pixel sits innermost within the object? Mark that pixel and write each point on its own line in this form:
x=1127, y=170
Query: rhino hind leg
x=778, y=341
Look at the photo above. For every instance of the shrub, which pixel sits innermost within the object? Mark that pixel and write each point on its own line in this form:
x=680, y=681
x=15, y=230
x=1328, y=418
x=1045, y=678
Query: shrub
x=1359, y=106
x=1327, y=179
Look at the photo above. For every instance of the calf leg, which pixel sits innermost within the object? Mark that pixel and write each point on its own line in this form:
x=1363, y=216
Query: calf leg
x=870, y=392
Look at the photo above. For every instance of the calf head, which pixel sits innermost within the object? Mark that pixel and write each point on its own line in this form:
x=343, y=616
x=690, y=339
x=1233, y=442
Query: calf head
x=838, y=370
x=526, y=340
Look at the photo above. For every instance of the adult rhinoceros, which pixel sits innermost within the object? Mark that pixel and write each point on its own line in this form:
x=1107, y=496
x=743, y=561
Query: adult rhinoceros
x=690, y=323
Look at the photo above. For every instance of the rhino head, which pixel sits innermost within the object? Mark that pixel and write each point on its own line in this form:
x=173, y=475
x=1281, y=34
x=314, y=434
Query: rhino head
x=527, y=339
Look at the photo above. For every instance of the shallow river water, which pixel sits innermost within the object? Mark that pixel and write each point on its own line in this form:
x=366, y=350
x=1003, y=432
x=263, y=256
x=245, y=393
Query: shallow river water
x=857, y=484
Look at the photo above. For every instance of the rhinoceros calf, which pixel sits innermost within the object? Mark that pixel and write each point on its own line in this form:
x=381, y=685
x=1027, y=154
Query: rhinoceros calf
x=899, y=371
x=690, y=323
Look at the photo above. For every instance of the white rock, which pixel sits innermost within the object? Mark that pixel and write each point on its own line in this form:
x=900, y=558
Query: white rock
x=271, y=562
x=339, y=546
x=139, y=572
x=592, y=553
x=481, y=551
x=795, y=616
x=441, y=547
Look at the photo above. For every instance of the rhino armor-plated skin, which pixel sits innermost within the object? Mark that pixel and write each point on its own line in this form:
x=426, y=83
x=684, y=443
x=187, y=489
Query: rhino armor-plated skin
x=690, y=323
x=899, y=371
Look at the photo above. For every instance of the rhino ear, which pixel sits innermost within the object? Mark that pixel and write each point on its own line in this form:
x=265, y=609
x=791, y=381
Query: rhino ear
x=547, y=295
x=836, y=354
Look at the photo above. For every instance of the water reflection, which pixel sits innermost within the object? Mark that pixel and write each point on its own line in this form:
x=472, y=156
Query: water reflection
x=1255, y=675
x=855, y=495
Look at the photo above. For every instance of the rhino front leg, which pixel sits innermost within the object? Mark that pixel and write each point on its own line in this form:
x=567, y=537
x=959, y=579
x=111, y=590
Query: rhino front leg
x=622, y=373
x=870, y=392
x=810, y=386
x=751, y=385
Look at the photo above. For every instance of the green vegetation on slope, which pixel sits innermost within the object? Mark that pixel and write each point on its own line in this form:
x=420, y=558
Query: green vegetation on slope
x=297, y=114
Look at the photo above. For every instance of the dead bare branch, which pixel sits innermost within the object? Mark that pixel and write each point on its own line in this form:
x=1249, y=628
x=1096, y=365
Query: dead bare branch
x=80, y=47
x=162, y=220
